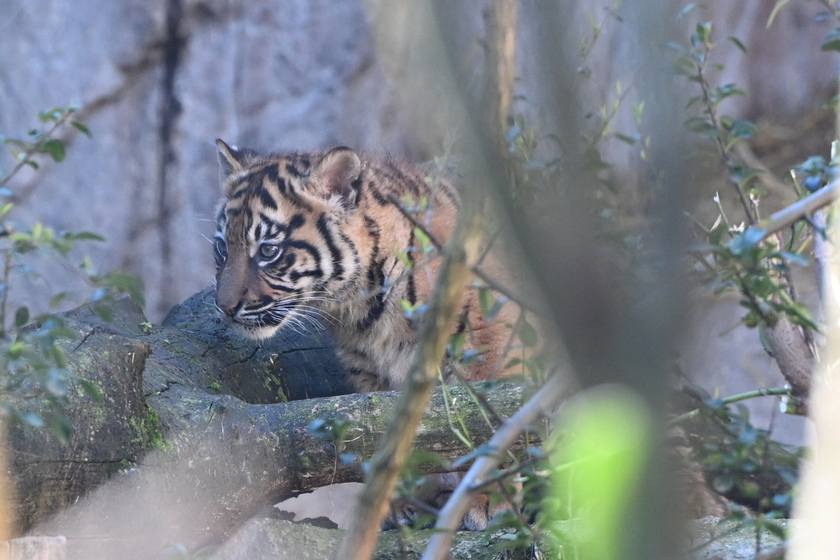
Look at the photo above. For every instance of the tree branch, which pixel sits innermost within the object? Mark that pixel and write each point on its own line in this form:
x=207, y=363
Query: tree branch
x=458, y=504
x=787, y=216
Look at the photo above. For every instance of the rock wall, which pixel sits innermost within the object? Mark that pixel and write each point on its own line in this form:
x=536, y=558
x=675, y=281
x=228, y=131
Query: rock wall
x=158, y=80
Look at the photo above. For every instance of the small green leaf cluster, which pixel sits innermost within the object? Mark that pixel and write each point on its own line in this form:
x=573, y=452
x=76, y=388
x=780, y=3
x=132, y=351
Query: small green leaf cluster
x=733, y=260
x=42, y=140
x=732, y=256
x=32, y=359
x=747, y=466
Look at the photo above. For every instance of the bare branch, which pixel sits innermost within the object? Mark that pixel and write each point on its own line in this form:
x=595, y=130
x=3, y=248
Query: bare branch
x=790, y=215
x=451, y=515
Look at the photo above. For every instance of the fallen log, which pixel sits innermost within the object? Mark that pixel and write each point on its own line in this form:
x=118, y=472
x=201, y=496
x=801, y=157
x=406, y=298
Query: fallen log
x=195, y=432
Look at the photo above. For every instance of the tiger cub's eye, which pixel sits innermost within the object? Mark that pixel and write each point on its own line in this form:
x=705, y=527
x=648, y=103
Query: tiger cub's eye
x=221, y=248
x=268, y=251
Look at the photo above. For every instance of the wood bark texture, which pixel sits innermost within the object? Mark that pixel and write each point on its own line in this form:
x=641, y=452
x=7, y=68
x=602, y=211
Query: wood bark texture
x=195, y=432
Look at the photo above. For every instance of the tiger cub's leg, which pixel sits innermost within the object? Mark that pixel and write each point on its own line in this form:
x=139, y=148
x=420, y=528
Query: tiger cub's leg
x=435, y=491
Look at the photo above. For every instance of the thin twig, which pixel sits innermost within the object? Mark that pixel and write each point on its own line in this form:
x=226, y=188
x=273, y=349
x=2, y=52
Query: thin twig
x=4, y=299
x=456, y=507
x=478, y=271
x=514, y=332
x=513, y=471
x=774, y=392
x=485, y=404
x=725, y=155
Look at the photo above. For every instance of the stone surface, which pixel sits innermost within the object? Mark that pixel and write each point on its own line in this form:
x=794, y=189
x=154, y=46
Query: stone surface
x=716, y=539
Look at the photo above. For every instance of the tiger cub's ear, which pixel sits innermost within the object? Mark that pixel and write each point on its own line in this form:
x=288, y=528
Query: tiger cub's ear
x=230, y=158
x=336, y=174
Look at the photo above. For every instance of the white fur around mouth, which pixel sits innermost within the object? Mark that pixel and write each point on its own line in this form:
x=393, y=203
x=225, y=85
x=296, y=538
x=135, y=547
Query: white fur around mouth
x=253, y=331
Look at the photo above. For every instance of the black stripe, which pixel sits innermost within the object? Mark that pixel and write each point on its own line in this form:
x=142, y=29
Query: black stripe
x=373, y=230
x=266, y=199
x=335, y=254
x=295, y=275
x=274, y=228
x=376, y=310
x=462, y=319
x=316, y=255
x=450, y=193
x=411, y=292
x=377, y=196
x=285, y=264
x=272, y=172
x=280, y=287
x=295, y=222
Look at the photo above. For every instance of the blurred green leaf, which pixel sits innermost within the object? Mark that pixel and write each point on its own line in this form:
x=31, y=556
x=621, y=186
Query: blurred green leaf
x=737, y=42
x=596, y=469
x=55, y=148
x=527, y=334
x=831, y=41
x=21, y=316
x=81, y=128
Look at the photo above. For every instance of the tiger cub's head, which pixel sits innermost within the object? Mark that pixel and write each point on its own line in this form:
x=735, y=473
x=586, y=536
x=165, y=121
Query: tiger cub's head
x=280, y=250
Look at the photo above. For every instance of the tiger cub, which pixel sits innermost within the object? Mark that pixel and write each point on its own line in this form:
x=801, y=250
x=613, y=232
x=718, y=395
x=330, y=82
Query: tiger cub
x=308, y=233
x=318, y=233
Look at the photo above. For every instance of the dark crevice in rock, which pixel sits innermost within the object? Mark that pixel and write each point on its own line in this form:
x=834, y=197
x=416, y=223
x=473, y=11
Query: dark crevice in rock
x=170, y=110
x=245, y=360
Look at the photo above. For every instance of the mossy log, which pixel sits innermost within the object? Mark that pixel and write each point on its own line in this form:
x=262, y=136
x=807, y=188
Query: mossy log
x=197, y=431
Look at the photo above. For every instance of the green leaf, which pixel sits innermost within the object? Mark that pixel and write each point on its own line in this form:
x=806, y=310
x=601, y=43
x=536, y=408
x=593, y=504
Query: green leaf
x=624, y=138
x=126, y=284
x=55, y=148
x=737, y=42
x=704, y=32
x=425, y=242
x=746, y=241
x=61, y=427
x=527, y=334
x=6, y=208
x=717, y=233
x=723, y=483
x=21, y=316
x=57, y=381
x=81, y=128
x=82, y=236
x=104, y=312
x=56, y=300
x=743, y=129
x=701, y=126
x=831, y=41
x=485, y=300
x=51, y=115
x=91, y=389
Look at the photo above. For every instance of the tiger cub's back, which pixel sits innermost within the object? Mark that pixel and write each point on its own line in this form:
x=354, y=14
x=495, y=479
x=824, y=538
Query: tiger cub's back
x=301, y=234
